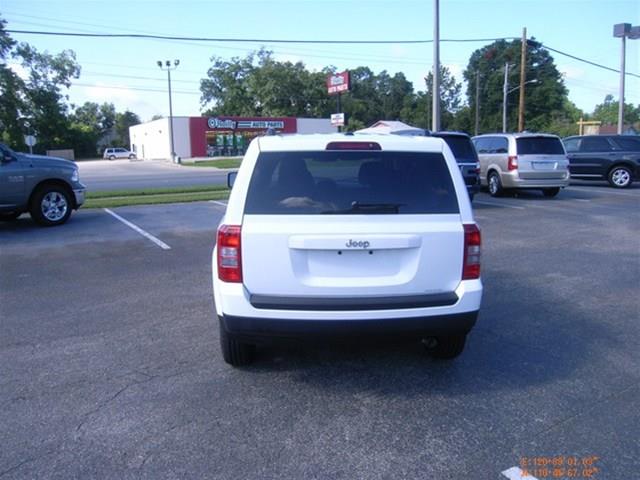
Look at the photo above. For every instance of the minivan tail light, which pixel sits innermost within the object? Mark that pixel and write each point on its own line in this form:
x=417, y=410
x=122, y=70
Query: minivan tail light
x=472, y=244
x=513, y=162
x=229, y=254
x=353, y=146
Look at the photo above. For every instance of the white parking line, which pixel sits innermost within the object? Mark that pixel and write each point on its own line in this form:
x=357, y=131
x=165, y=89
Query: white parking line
x=604, y=192
x=492, y=204
x=218, y=203
x=147, y=235
x=581, y=199
x=515, y=473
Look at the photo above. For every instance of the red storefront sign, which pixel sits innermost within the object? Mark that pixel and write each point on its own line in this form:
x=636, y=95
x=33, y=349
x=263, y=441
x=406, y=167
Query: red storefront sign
x=338, y=83
x=199, y=126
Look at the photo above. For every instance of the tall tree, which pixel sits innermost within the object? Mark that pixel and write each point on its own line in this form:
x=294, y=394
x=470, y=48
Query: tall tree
x=607, y=112
x=11, y=92
x=544, y=99
x=122, y=123
x=419, y=114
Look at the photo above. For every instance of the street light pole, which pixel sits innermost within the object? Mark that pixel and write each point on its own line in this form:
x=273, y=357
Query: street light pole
x=168, y=67
x=505, y=88
x=623, y=30
x=436, y=66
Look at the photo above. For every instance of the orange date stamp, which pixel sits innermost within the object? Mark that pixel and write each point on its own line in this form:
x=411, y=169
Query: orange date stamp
x=560, y=467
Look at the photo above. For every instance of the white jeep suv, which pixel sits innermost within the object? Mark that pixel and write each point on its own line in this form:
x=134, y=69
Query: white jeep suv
x=337, y=235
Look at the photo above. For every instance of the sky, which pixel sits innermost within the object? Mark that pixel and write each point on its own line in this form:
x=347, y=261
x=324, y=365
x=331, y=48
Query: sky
x=124, y=71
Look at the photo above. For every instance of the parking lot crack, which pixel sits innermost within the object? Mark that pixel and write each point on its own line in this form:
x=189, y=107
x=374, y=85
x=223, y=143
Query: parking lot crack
x=26, y=461
x=109, y=400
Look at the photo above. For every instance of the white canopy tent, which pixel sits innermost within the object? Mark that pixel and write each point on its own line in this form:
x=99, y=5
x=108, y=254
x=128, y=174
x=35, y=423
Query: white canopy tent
x=392, y=127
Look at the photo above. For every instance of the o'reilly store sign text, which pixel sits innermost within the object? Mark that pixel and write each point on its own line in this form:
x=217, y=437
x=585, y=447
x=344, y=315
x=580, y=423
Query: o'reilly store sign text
x=218, y=123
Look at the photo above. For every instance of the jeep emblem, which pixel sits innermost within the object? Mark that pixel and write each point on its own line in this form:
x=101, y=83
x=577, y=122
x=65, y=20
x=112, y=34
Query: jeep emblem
x=357, y=244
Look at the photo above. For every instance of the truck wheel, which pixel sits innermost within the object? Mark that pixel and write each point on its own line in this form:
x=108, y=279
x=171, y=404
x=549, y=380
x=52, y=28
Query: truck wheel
x=620, y=177
x=51, y=206
x=235, y=353
x=550, y=192
x=445, y=347
x=9, y=217
x=495, y=186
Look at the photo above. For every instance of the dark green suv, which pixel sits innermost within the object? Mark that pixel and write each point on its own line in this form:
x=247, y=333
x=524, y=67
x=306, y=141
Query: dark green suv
x=48, y=188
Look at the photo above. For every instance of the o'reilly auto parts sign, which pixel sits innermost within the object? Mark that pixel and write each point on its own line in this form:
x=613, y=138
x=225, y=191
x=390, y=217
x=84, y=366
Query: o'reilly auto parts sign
x=338, y=83
x=228, y=124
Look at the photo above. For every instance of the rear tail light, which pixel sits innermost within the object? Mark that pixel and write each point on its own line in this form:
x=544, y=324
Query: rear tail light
x=513, y=162
x=353, y=146
x=472, y=244
x=229, y=255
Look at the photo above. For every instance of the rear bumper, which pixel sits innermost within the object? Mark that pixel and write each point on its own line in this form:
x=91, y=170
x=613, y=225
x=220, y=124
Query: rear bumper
x=261, y=329
x=513, y=180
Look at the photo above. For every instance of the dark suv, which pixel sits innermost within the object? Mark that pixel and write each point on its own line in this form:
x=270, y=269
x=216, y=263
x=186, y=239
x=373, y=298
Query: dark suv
x=615, y=158
x=466, y=156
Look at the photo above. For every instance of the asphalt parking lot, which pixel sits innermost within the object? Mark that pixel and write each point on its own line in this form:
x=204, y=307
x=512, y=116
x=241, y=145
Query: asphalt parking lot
x=110, y=366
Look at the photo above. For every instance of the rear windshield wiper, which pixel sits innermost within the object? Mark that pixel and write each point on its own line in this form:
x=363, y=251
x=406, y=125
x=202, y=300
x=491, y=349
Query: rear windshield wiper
x=368, y=208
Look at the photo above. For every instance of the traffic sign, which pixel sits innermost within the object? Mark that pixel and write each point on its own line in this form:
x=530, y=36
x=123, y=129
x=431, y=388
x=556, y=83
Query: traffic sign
x=30, y=140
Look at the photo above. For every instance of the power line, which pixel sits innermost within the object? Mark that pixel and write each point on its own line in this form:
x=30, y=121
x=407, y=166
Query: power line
x=298, y=41
x=250, y=40
x=599, y=65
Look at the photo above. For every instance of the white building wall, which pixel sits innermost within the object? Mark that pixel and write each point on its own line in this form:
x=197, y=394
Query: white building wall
x=151, y=140
x=315, y=125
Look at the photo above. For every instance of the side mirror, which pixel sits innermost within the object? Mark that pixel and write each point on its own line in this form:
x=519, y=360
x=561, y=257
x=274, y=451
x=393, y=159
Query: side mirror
x=231, y=179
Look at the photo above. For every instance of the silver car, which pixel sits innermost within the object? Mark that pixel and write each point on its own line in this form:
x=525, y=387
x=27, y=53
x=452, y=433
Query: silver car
x=113, y=153
x=522, y=160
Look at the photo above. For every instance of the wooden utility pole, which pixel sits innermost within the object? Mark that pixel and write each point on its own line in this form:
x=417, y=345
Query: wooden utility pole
x=523, y=64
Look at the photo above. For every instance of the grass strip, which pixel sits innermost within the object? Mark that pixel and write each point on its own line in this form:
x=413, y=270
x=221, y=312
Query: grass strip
x=222, y=163
x=148, y=199
x=155, y=191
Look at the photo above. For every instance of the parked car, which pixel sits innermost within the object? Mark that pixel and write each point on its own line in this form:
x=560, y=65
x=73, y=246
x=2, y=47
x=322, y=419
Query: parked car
x=466, y=156
x=615, y=158
x=48, y=188
x=332, y=235
x=522, y=160
x=114, y=153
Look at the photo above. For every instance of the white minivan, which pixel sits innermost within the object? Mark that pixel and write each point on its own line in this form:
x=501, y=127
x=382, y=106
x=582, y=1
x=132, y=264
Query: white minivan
x=346, y=235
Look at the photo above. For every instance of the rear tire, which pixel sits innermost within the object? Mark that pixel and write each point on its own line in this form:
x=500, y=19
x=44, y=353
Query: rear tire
x=235, y=353
x=51, y=205
x=495, y=185
x=9, y=217
x=550, y=192
x=132, y=156
x=620, y=177
x=445, y=347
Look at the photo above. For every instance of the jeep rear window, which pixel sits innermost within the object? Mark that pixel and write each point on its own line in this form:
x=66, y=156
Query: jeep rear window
x=350, y=182
x=461, y=147
x=539, y=145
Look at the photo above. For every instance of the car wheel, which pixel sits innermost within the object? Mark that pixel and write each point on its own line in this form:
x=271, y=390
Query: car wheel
x=235, y=353
x=51, y=206
x=8, y=217
x=445, y=347
x=620, y=177
x=132, y=156
x=550, y=192
x=112, y=157
x=495, y=186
